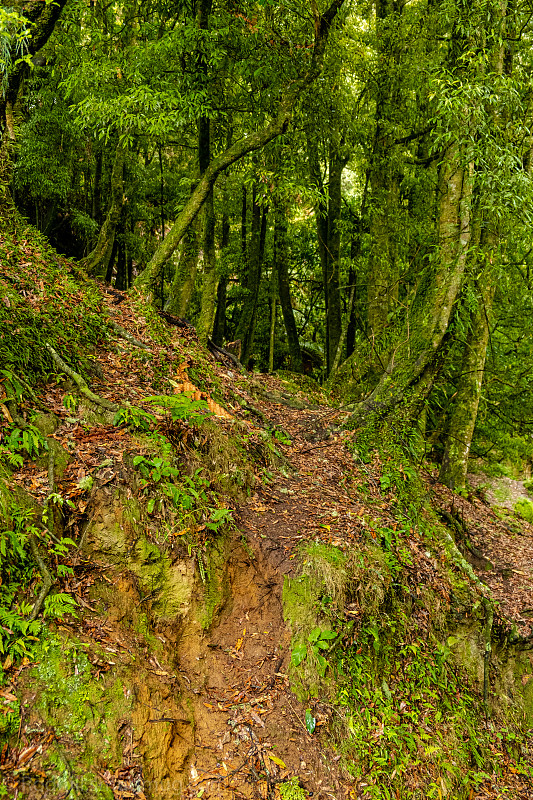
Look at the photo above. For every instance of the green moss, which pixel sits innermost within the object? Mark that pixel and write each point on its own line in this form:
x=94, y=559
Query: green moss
x=524, y=508
x=61, y=458
x=216, y=587
x=82, y=710
x=170, y=587
x=308, y=386
x=68, y=314
x=47, y=424
x=143, y=627
x=528, y=486
x=291, y=790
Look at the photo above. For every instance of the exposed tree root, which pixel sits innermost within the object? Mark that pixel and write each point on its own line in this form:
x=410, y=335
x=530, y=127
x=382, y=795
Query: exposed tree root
x=223, y=356
x=124, y=334
x=80, y=382
x=177, y=321
x=43, y=569
x=45, y=574
x=277, y=397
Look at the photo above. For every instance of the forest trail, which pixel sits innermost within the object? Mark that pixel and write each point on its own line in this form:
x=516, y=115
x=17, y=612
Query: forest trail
x=249, y=730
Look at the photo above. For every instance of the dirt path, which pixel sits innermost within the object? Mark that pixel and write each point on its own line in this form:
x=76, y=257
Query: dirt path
x=248, y=721
x=249, y=731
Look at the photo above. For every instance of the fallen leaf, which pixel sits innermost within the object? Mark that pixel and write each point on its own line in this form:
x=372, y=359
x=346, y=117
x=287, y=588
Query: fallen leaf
x=277, y=760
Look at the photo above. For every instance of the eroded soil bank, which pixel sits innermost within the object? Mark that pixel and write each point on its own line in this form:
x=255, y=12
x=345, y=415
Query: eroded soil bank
x=177, y=677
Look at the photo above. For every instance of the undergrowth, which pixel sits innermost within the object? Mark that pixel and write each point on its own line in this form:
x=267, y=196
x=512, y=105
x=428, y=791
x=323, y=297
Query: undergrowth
x=43, y=303
x=373, y=633
x=21, y=522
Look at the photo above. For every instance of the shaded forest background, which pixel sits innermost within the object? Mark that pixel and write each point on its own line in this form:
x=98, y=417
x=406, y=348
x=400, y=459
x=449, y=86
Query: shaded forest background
x=344, y=190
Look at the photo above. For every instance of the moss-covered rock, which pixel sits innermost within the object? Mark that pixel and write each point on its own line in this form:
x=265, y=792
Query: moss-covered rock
x=85, y=711
x=47, y=424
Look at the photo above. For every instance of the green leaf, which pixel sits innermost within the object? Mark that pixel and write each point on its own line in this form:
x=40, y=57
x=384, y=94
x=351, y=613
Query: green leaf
x=322, y=664
x=310, y=721
x=277, y=761
x=298, y=654
x=150, y=505
x=314, y=635
x=328, y=635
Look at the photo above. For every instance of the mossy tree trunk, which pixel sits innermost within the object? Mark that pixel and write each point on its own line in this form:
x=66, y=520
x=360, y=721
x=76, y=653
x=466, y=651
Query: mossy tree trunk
x=462, y=421
x=98, y=261
x=184, y=278
x=411, y=368
x=281, y=268
x=382, y=281
x=464, y=413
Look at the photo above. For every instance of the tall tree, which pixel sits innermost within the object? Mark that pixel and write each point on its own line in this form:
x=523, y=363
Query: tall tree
x=275, y=126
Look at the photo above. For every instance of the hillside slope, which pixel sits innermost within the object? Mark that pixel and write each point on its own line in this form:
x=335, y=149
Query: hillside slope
x=234, y=595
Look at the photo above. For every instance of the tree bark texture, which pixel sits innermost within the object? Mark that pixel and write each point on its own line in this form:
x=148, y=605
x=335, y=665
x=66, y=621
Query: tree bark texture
x=411, y=366
x=463, y=418
x=98, y=261
x=182, y=285
x=281, y=266
x=462, y=422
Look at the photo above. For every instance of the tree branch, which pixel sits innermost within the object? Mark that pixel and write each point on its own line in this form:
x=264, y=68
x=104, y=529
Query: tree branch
x=255, y=141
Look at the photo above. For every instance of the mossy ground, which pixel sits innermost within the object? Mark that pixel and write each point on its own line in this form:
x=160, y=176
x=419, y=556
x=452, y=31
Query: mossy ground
x=84, y=708
x=406, y=671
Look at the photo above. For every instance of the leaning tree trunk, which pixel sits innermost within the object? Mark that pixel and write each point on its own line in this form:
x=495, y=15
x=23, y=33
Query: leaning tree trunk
x=411, y=367
x=149, y=278
x=182, y=285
